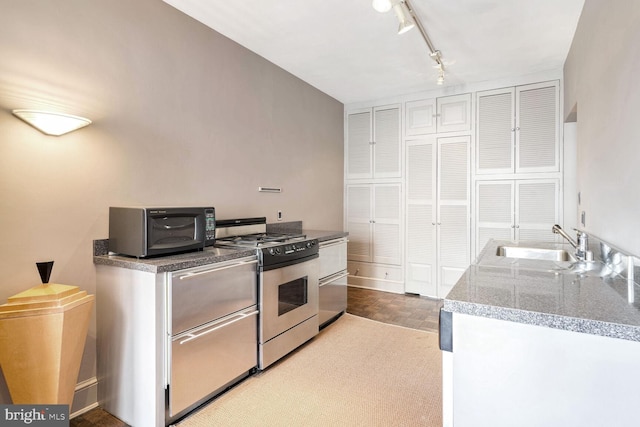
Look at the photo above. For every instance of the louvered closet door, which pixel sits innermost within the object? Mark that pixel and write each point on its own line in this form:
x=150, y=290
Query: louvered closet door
x=386, y=137
x=359, y=144
x=359, y=222
x=536, y=209
x=421, y=272
x=495, y=212
x=495, y=131
x=537, y=135
x=453, y=216
x=386, y=224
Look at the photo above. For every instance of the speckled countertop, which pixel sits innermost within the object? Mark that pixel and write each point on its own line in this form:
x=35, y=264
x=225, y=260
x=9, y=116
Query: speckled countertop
x=188, y=260
x=546, y=293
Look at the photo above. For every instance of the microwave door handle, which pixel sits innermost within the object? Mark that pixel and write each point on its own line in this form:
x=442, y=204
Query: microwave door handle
x=237, y=318
x=212, y=270
x=172, y=227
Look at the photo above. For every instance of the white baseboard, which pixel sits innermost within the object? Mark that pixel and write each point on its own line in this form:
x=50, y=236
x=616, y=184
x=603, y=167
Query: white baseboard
x=85, y=397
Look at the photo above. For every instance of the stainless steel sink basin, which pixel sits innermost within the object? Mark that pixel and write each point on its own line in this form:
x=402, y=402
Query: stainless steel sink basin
x=535, y=253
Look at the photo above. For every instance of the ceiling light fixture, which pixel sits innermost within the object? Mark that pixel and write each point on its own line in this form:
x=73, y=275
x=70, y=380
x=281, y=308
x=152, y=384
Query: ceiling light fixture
x=401, y=8
x=406, y=23
x=50, y=123
x=382, y=6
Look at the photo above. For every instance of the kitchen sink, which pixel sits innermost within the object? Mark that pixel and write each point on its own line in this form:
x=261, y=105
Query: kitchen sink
x=535, y=253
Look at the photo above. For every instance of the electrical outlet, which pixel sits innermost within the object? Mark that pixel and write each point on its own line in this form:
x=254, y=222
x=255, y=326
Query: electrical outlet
x=279, y=215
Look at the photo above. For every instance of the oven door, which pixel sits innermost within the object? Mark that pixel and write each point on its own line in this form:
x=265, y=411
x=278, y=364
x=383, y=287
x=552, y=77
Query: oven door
x=288, y=296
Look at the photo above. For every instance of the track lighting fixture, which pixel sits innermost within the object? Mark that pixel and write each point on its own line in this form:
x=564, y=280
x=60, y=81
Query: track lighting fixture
x=408, y=19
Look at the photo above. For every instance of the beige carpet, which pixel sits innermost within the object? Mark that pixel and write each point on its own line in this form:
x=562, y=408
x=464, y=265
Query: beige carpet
x=356, y=372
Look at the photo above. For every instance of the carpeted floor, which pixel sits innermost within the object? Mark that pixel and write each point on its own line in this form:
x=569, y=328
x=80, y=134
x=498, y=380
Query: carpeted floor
x=356, y=372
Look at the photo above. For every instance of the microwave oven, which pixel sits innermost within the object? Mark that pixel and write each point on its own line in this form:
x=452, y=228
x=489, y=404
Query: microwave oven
x=144, y=232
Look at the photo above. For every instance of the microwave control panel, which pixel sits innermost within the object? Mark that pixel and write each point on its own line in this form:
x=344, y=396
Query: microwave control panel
x=210, y=225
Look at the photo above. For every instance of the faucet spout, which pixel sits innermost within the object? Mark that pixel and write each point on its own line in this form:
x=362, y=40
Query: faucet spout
x=558, y=230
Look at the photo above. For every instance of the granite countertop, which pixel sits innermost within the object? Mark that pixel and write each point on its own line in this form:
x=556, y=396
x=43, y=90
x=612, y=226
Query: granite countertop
x=325, y=235
x=169, y=263
x=163, y=264
x=547, y=293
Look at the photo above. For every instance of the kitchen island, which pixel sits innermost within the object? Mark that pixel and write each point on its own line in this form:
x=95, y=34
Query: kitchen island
x=539, y=343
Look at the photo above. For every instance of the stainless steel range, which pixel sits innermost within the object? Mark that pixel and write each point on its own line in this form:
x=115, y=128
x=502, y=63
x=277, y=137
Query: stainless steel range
x=288, y=279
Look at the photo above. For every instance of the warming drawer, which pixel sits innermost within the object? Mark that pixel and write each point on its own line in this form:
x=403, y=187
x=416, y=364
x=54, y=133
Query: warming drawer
x=333, y=280
x=200, y=295
x=207, y=359
x=333, y=257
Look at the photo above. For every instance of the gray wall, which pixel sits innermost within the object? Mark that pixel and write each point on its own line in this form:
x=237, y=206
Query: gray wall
x=602, y=85
x=182, y=116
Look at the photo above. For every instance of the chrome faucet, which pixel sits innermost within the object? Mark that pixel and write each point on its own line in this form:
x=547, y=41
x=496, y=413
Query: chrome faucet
x=581, y=246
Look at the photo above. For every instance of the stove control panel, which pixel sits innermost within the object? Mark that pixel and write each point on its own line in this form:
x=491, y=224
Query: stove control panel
x=289, y=252
x=294, y=248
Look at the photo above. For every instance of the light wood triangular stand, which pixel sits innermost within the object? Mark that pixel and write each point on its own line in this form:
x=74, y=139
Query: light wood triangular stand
x=42, y=336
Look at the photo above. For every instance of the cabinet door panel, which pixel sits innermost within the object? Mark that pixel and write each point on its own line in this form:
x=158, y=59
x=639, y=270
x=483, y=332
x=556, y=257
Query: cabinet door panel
x=453, y=211
x=421, y=217
x=536, y=209
x=495, y=212
x=454, y=237
x=386, y=224
x=359, y=222
x=537, y=146
x=420, y=117
x=359, y=145
x=421, y=250
x=495, y=130
x=386, y=135
x=454, y=113
x=386, y=243
x=453, y=169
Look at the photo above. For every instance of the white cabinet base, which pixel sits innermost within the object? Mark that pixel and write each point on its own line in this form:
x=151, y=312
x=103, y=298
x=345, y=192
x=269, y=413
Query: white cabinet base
x=508, y=374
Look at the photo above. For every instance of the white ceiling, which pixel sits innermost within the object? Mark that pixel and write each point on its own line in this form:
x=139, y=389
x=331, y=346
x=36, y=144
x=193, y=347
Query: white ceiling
x=353, y=53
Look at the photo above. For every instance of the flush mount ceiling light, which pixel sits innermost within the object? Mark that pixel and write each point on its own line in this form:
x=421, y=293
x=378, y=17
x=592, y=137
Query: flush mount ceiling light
x=407, y=22
x=50, y=123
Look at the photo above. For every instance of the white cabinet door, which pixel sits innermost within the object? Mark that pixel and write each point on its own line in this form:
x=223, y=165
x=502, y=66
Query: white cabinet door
x=537, y=209
x=438, y=218
x=358, y=147
x=421, y=270
x=359, y=222
x=446, y=114
x=373, y=223
x=537, y=130
x=373, y=148
x=495, y=131
x=454, y=113
x=516, y=210
x=420, y=117
x=386, y=228
x=386, y=142
x=495, y=211
x=453, y=211
x=518, y=130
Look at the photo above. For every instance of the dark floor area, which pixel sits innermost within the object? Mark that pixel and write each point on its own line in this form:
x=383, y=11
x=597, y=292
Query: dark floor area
x=411, y=311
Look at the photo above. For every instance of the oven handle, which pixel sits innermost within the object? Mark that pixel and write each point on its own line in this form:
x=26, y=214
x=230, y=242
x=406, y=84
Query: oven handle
x=236, y=318
x=190, y=275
